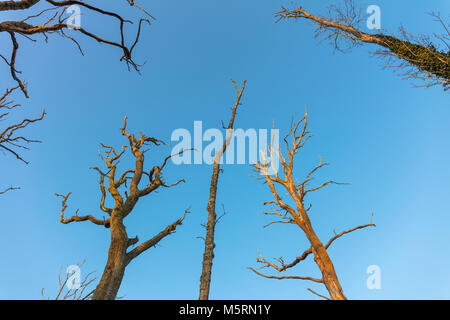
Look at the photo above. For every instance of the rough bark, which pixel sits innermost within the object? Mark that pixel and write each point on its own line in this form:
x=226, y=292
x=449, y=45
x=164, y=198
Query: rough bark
x=114, y=270
x=17, y=5
x=208, y=254
x=297, y=214
x=118, y=255
x=323, y=261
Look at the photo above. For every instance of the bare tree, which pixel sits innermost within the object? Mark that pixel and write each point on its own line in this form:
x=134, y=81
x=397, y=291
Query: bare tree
x=415, y=57
x=73, y=291
x=119, y=255
x=12, y=140
x=53, y=20
x=297, y=213
x=208, y=254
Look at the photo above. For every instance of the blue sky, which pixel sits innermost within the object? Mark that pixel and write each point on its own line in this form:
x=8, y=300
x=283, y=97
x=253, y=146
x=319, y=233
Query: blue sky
x=386, y=138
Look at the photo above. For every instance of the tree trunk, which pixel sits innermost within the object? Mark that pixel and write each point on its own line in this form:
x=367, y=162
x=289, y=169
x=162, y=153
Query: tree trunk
x=115, y=266
x=323, y=261
x=208, y=254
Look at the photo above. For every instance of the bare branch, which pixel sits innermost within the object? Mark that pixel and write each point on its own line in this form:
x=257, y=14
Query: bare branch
x=11, y=138
x=156, y=239
x=56, y=24
x=312, y=291
x=66, y=292
x=306, y=253
x=418, y=57
x=286, y=277
x=17, y=5
x=9, y=189
x=77, y=218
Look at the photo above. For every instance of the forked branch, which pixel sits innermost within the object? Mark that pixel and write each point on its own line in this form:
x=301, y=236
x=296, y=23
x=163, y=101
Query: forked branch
x=156, y=239
x=53, y=20
x=11, y=138
x=77, y=218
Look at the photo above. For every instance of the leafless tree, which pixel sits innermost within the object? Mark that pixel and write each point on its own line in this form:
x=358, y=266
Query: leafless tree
x=12, y=140
x=53, y=20
x=297, y=212
x=414, y=57
x=208, y=254
x=73, y=292
x=120, y=254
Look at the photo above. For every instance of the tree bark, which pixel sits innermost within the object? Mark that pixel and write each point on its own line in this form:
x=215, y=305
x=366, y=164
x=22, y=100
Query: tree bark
x=17, y=5
x=208, y=254
x=115, y=266
x=432, y=64
x=323, y=261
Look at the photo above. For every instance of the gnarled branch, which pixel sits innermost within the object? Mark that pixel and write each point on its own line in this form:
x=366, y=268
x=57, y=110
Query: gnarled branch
x=77, y=218
x=57, y=24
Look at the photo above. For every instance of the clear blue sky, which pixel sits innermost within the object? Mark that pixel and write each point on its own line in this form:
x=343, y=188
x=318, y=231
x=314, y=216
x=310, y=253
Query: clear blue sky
x=388, y=139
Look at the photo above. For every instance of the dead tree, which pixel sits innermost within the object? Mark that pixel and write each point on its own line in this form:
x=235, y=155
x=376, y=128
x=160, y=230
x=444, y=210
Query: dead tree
x=297, y=213
x=53, y=20
x=120, y=254
x=12, y=141
x=208, y=254
x=414, y=57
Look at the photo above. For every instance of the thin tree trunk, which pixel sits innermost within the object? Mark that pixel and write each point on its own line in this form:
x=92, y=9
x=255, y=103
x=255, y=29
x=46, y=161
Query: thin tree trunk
x=208, y=254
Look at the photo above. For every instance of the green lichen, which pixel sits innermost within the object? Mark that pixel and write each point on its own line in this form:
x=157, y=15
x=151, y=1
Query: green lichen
x=426, y=58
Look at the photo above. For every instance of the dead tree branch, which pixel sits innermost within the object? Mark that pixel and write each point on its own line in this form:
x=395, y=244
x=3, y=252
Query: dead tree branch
x=54, y=21
x=11, y=188
x=415, y=57
x=11, y=138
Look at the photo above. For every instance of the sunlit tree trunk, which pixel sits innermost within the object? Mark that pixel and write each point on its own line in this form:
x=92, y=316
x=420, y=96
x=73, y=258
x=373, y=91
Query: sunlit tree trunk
x=208, y=254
